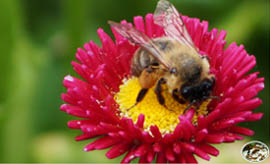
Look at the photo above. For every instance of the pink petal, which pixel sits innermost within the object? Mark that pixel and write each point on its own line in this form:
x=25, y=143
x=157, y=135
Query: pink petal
x=101, y=143
x=117, y=150
x=209, y=149
x=169, y=154
x=241, y=130
x=142, y=150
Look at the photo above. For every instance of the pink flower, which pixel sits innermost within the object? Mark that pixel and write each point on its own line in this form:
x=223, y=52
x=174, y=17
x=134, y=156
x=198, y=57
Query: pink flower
x=92, y=99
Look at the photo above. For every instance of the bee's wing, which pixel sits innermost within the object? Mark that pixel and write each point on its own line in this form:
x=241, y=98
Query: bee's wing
x=137, y=37
x=167, y=16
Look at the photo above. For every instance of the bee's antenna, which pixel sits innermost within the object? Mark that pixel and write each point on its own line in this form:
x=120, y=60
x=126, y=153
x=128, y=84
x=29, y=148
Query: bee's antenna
x=214, y=97
x=189, y=105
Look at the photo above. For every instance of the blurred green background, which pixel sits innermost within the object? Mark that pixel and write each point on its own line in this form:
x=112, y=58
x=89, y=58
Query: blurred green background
x=38, y=40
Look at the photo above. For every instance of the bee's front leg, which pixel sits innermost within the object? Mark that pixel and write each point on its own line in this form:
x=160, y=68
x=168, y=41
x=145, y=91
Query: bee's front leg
x=158, y=91
x=177, y=98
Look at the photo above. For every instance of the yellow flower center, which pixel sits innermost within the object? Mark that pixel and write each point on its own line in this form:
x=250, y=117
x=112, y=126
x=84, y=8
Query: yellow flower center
x=166, y=119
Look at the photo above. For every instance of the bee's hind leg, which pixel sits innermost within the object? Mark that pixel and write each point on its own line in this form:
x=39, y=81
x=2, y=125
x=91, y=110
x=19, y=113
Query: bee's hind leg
x=140, y=97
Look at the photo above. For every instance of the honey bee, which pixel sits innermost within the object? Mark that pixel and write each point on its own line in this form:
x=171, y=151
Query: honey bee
x=173, y=60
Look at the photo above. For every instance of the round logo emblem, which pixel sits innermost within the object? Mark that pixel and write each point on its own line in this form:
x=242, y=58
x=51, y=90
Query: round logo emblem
x=255, y=151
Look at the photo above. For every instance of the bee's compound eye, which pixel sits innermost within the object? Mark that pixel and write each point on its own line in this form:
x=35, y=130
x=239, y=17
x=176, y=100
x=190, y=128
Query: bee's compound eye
x=207, y=84
x=173, y=70
x=186, y=91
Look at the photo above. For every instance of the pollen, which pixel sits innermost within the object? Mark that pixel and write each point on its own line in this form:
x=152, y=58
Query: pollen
x=165, y=118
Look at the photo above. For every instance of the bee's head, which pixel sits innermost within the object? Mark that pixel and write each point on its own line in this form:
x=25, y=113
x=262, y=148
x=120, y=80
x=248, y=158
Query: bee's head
x=198, y=92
